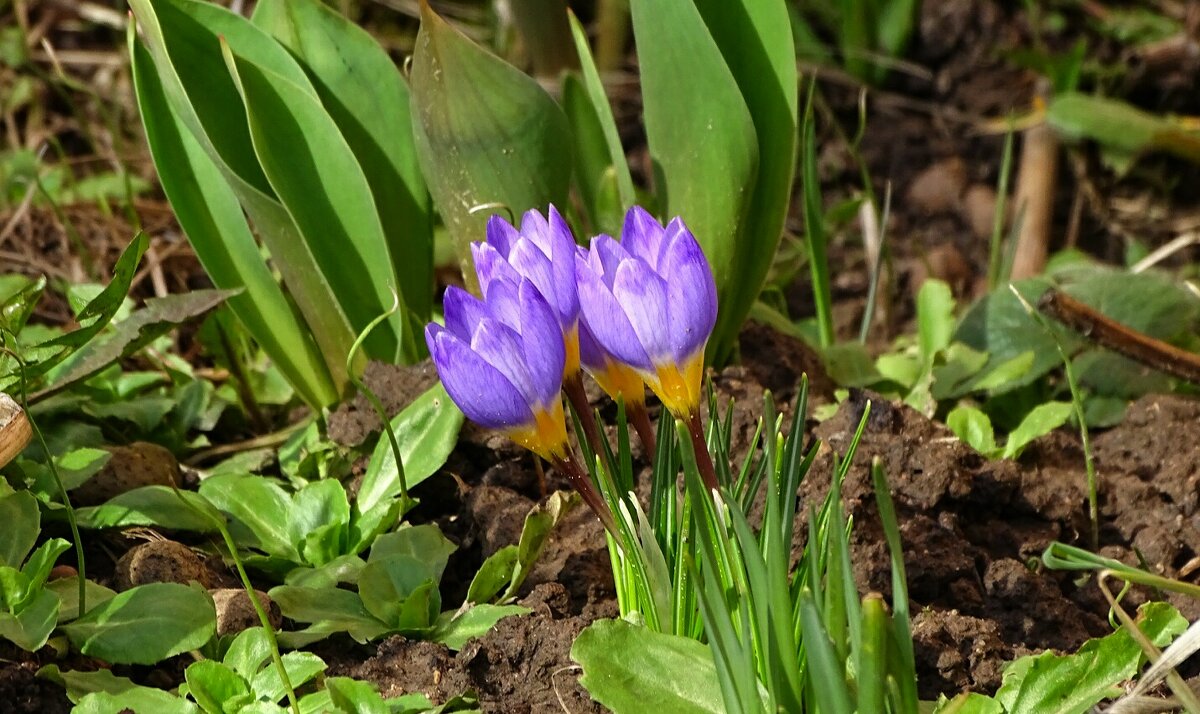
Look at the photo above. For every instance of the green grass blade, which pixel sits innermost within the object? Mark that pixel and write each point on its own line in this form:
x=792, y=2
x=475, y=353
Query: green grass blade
x=825, y=673
x=209, y=213
x=871, y=656
x=814, y=225
x=906, y=677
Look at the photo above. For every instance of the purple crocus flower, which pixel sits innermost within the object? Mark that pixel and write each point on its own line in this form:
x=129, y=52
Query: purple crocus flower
x=542, y=252
x=650, y=301
x=502, y=363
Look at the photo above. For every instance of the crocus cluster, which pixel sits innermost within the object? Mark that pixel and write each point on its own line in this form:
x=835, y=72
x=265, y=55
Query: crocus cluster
x=631, y=313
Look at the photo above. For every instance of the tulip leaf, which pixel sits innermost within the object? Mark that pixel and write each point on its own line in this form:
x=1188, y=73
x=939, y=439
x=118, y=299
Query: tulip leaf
x=320, y=183
x=366, y=96
x=426, y=431
x=487, y=135
x=699, y=130
x=182, y=38
x=145, y=625
x=755, y=39
x=208, y=210
x=632, y=669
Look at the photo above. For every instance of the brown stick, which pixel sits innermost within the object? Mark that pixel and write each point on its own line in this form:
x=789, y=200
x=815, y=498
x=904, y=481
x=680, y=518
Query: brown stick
x=1109, y=333
x=1034, y=200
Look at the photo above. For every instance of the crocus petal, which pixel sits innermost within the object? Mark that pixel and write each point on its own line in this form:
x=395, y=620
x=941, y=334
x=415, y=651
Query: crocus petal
x=605, y=256
x=501, y=235
x=691, y=292
x=485, y=395
x=491, y=265
x=607, y=322
x=591, y=354
x=542, y=340
x=642, y=235
x=503, y=303
x=642, y=294
x=562, y=251
x=463, y=312
x=501, y=347
x=530, y=262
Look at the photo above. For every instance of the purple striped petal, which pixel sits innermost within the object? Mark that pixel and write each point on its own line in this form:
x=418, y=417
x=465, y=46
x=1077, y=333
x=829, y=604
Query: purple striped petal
x=607, y=322
x=591, y=354
x=463, y=312
x=606, y=255
x=562, y=260
x=642, y=236
x=503, y=303
x=501, y=347
x=542, y=341
x=491, y=265
x=479, y=389
x=643, y=295
x=531, y=263
x=691, y=292
x=501, y=235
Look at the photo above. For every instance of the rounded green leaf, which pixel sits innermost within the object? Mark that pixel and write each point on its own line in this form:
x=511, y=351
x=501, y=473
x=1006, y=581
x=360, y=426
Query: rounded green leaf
x=145, y=625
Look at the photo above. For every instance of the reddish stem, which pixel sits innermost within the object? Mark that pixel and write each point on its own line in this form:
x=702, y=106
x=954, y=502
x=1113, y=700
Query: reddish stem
x=704, y=460
x=583, y=484
x=645, y=430
x=573, y=387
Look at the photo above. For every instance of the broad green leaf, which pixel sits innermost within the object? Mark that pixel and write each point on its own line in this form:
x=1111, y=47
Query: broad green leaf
x=401, y=591
x=424, y=543
x=151, y=506
x=999, y=325
x=335, y=609
x=145, y=625
x=960, y=364
x=213, y=685
x=80, y=684
x=301, y=668
x=1042, y=420
x=208, y=210
x=141, y=700
x=77, y=466
x=31, y=627
x=935, y=318
x=455, y=628
x=969, y=703
x=701, y=133
x=260, y=506
x=755, y=38
x=67, y=590
x=427, y=431
x=1143, y=301
x=539, y=522
x=849, y=365
x=22, y=522
x=247, y=652
x=632, y=669
x=343, y=569
x=1101, y=372
x=974, y=428
x=322, y=186
x=38, y=567
x=364, y=93
x=1051, y=683
x=493, y=575
x=352, y=695
x=319, y=520
x=591, y=154
x=486, y=134
x=182, y=37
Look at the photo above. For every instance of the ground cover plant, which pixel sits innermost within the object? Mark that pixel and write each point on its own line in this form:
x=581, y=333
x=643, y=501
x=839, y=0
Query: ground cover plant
x=568, y=356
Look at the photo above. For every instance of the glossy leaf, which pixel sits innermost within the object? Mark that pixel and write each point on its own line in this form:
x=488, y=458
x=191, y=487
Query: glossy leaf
x=151, y=506
x=755, y=38
x=454, y=628
x=209, y=213
x=632, y=669
x=366, y=96
x=701, y=134
x=22, y=519
x=486, y=134
x=145, y=625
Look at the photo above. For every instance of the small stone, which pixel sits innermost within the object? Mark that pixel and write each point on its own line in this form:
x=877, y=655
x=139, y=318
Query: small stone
x=162, y=561
x=139, y=464
x=938, y=188
x=235, y=612
x=979, y=210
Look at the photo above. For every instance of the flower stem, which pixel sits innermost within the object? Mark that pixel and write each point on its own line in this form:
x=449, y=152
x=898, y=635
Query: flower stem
x=573, y=386
x=704, y=460
x=582, y=482
x=645, y=430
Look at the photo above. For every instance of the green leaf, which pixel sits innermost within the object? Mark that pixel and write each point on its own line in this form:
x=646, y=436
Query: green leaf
x=632, y=669
x=260, y=506
x=363, y=92
x=145, y=625
x=352, y=695
x=81, y=684
x=1042, y=420
x=322, y=186
x=485, y=134
x=31, y=628
x=184, y=39
x=22, y=522
x=701, y=133
x=77, y=466
x=935, y=318
x=319, y=520
x=1119, y=126
x=969, y=703
x=424, y=543
x=336, y=610
x=301, y=668
x=67, y=590
x=207, y=208
x=974, y=428
x=1068, y=684
x=38, y=567
x=152, y=506
x=141, y=700
x=1000, y=326
x=400, y=591
x=426, y=431
x=455, y=628
x=212, y=685
x=755, y=38
x=493, y=575
x=1142, y=301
